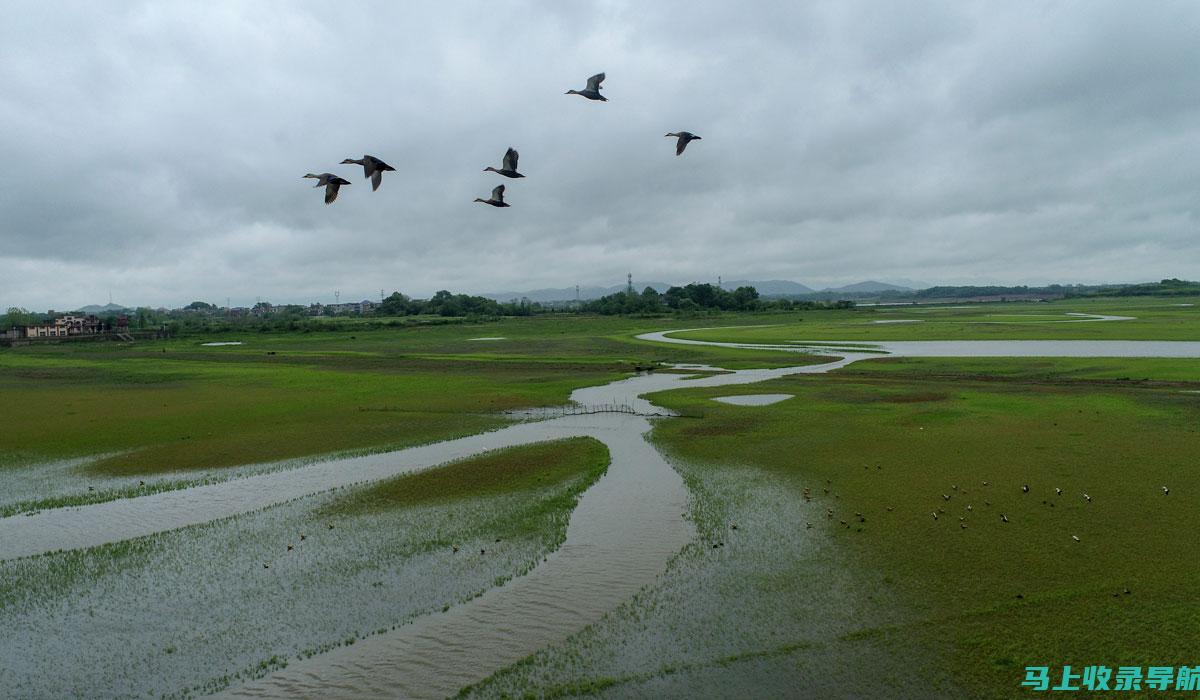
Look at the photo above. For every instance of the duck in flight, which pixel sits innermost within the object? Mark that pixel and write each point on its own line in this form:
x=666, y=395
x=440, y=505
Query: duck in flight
x=372, y=168
x=509, y=167
x=592, y=91
x=331, y=182
x=497, y=199
x=685, y=137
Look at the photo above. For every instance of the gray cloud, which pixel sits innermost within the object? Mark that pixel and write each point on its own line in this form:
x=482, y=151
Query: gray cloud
x=155, y=150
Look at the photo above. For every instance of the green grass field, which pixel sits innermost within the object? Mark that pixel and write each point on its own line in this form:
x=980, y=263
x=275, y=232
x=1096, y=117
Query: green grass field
x=892, y=439
x=176, y=405
x=528, y=468
x=170, y=415
x=1163, y=373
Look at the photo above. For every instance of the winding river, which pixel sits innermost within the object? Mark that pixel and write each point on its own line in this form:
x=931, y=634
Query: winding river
x=620, y=537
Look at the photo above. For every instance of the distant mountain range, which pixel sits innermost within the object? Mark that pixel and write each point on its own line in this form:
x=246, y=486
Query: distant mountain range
x=767, y=288
x=770, y=288
x=870, y=286
x=107, y=308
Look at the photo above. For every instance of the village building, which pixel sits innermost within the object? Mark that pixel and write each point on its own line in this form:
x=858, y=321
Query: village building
x=64, y=326
x=355, y=308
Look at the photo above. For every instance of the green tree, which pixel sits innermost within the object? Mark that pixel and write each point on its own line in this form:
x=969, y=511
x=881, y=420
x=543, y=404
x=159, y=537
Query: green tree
x=745, y=298
x=397, y=305
x=18, y=316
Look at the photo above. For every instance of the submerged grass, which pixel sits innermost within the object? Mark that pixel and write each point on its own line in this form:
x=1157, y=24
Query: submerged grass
x=198, y=608
x=92, y=497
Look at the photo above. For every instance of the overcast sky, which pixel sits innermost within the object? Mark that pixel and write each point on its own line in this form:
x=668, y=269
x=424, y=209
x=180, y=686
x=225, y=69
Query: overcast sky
x=155, y=150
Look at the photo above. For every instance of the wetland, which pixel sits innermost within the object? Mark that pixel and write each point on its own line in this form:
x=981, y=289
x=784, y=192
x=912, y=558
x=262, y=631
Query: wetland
x=410, y=515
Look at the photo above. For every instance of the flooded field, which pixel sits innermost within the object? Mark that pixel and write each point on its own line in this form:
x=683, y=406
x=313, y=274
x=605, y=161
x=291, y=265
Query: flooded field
x=199, y=607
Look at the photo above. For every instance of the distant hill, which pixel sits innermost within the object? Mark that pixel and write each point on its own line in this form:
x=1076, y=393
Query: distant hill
x=770, y=288
x=870, y=286
x=906, y=282
x=107, y=308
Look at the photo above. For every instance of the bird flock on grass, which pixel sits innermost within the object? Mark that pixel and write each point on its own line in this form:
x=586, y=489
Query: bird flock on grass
x=969, y=510
x=374, y=168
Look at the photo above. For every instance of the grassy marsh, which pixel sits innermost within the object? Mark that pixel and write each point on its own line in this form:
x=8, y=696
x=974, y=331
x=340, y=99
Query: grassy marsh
x=910, y=603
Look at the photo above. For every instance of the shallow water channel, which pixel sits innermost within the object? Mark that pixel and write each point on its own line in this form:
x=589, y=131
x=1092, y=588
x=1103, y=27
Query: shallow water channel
x=619, y=539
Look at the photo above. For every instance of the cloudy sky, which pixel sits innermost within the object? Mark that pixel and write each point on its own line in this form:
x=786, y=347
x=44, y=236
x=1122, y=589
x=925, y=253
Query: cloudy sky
x=155, y=150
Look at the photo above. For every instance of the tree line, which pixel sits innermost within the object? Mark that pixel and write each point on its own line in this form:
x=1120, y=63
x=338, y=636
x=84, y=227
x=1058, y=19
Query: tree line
x=446, y=304
x=201, y=316
x=698, y=297
x=446, y=307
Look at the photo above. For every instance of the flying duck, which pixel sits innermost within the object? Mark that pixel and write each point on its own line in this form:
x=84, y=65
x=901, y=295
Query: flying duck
x=372, y=168
x=509, y=167
x=686, y=137
x=331, y=183
x=592, y=91
x=497, y=199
